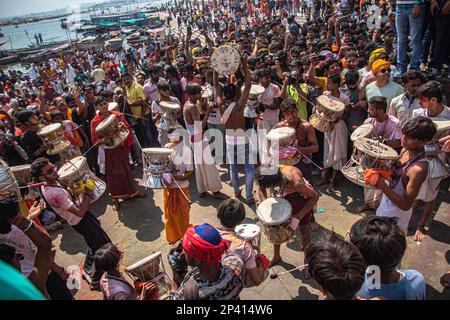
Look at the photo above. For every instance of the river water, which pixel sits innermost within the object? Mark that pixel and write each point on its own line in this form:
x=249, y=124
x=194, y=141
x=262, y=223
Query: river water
x=16, y=38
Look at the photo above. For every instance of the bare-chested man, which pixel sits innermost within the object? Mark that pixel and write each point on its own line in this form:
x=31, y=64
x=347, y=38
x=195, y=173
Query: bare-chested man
x=237, y=142
x=206, y=173
x=288, y=182
x=307, y=142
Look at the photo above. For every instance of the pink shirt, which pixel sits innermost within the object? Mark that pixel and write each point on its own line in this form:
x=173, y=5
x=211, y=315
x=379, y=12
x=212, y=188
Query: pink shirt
x=389, y=129
x=61, y=201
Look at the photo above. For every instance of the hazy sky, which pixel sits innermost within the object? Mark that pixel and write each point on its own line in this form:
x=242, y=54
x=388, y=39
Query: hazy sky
x=20, y=7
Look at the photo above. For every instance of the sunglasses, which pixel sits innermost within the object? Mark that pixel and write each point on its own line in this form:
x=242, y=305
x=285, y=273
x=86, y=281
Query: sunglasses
x=385, y=70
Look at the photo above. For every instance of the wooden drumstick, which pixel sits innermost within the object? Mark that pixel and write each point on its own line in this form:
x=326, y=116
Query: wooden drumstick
x=276, y=275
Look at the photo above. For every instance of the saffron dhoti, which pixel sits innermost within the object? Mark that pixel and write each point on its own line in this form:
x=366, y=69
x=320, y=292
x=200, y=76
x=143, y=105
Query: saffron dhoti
x=176, y=213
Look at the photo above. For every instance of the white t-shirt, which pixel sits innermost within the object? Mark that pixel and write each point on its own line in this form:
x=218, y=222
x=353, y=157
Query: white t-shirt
x=60, y=200
x=98, y=75
x=267, y=98
x=424, y=112
x=17, y=239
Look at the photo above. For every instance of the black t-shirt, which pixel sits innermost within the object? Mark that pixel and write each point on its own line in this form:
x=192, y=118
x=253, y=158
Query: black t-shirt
x=31, y=142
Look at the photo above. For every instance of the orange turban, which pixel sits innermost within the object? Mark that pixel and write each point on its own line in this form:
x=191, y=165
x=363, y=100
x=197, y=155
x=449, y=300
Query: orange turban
x=379, y=65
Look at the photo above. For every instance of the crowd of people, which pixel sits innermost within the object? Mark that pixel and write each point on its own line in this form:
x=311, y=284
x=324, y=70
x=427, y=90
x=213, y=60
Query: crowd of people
x=390, y=72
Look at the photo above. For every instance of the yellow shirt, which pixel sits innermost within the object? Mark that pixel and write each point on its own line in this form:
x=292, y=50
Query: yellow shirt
x=134, y=94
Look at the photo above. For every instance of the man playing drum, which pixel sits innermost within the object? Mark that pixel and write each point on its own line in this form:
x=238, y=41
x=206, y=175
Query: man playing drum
x=288, y=182
x=176, y=195
x=307, y=141
x=387, y=129
x=409, y=173
x=119, y=177
x=430, y=96
x=76, y=214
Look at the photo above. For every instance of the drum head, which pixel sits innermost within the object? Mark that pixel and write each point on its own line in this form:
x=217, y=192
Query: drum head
x=150, y=151
x=105, y=123
x=206, y=93
x=274, y=211
x=331, y=103
x=362, y=131
x=25, y=167
x=255, y=90
x=145, y=263
x=248, y=231
x=280, y=133
x=169, y=105
x=71, y=166
x=45, y=131
x=8, y=184
x=225, y=60
x=375, y=149
x=442, y=124
x=319, y=123
x=113, y=106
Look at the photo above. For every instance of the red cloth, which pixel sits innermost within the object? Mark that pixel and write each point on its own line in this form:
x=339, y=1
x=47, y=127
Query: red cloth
x=298, y=202
x=200, y=249
x=371, y=176
x=98, y=119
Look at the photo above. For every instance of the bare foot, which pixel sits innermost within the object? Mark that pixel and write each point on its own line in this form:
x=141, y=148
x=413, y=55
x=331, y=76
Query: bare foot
x=363, y=208
x=420, y=234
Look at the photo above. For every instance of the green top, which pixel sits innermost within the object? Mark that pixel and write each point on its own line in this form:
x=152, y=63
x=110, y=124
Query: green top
x=293, y=94
x=14, y=286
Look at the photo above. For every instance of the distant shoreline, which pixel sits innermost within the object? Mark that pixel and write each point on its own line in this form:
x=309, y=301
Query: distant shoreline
x=20, y=21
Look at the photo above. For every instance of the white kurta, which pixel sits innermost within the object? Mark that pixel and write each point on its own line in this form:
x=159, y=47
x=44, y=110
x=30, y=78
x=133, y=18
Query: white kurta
x=335, y=147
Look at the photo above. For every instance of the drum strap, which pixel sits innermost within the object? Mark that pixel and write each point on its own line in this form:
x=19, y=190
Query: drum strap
x=396, y=178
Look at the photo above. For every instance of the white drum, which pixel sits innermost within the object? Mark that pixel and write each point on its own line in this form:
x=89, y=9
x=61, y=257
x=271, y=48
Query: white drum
x=54, y=137
x=363, y=131
x=275, y=215
x=328, y=109
x=113, y=130
x=76, y=176
x=368, y=154
x=156, y=163
x=251, y=233
x=225, y=60
x=151, y=269
x=8, y=183
x=169, y=116
x=438, y=161
x=22, y=173
x=283, y=146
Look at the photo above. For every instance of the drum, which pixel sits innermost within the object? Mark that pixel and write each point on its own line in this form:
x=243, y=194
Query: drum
x=22, y=173
x=151, y=269
x=328, y=109
x=8, y=183
x=363, y=131
x=169, y=116
x=438, y=161
x=113, y=106
x=284, y=146
x=113, y=130
x=250, y=233
x=54, y=137
x=253, y=100
x=225, y=60
x=76, y=176
x=275, y=215
x=202, y=104
x=368, y=154
x=156, y=163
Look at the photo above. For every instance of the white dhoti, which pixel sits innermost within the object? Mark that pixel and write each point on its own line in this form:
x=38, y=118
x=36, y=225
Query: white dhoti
x=263, y=127
x=206, y=173
x=335, y=147
x=372, y=197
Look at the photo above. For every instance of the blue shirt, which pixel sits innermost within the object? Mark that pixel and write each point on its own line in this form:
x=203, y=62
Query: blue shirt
x=411, y=287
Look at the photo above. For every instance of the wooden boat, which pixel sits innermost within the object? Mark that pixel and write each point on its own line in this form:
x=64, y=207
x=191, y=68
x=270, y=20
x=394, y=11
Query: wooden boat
x=90, y=43
x=11, y=58
x=114, y=43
